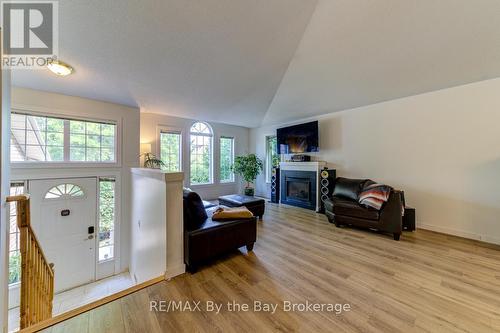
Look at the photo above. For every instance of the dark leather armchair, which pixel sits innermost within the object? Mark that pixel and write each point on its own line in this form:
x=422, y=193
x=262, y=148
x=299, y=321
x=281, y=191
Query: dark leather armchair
x=343, y=208
x=205, y=239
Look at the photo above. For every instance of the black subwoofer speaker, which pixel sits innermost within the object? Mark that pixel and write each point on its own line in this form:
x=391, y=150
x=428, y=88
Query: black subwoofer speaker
x=326, y=183
x=275, y=185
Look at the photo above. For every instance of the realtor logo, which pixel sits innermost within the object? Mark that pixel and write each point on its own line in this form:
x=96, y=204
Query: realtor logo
x=30, y=33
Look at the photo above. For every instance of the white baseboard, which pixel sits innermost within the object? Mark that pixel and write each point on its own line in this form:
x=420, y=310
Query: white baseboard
x=459, y=233
x=175, y=270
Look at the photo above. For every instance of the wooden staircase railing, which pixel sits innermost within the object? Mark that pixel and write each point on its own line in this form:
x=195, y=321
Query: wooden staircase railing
x=37, y=275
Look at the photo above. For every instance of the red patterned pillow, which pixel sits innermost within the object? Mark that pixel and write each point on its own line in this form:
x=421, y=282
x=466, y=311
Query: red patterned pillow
x=374, y=195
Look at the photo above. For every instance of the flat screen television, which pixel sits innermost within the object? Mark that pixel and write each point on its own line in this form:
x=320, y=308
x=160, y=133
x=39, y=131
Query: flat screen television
x=296, y=139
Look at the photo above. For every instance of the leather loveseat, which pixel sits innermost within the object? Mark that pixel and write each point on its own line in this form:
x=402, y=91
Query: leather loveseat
x=205, y=239
x=343, y=208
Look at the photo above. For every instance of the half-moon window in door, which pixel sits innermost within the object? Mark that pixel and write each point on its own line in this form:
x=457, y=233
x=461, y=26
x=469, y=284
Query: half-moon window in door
x=64, y=190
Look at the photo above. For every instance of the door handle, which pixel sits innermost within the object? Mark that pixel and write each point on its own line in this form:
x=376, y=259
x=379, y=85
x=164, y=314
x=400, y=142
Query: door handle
x=89, y=237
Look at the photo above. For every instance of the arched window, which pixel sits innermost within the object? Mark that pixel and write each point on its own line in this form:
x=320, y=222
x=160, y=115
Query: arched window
x=64, y=190
x=201, y=156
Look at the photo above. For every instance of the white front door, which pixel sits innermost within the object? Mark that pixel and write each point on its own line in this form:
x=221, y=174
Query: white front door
x=63, y=216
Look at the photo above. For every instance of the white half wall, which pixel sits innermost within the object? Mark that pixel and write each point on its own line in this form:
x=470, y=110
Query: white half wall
x=157, y=233
x=148, y=237
x=442, y=148
x=150, y=126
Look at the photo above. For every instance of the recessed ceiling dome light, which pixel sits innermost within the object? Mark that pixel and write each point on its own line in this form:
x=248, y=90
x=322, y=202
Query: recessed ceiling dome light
x=60, y=68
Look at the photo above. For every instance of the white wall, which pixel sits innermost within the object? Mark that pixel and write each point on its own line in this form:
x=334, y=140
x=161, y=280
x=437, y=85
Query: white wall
x=150, y=124
x=441, y=148
x=4, y=191
x=70, y=106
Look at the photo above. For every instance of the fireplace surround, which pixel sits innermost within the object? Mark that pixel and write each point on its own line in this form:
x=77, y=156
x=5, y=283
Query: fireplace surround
x=298, y=188
x=299, y=184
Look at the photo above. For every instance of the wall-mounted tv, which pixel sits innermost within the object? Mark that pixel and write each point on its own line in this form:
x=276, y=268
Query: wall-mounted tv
x=296, y=139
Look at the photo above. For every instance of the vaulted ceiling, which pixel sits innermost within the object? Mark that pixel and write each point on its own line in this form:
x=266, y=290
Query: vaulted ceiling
x=360, y=52
x=250, y=62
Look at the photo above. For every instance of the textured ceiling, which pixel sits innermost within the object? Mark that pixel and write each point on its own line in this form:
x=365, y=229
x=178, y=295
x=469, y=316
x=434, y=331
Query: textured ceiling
x=252, y=62
x=361, y=52
x=219, y=60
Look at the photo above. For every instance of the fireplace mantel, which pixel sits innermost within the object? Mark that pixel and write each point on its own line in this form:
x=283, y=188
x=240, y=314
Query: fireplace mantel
x=315, y=167
x=303, y=166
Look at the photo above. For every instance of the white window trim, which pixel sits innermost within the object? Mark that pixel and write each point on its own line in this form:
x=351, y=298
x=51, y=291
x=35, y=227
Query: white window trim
x=168, y=129
x=268, y=163
x=43, y=112
x=232, y=181
x=212, y=154
x=98, y=224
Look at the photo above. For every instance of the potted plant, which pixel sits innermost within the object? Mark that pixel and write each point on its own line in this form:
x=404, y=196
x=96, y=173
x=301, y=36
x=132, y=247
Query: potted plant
x=152, y=162
x=248, y=167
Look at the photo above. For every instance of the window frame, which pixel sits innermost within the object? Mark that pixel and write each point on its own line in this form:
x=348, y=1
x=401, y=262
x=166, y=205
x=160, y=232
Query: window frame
x=69, y=164
x=115, y=224
x=233, y=143
x=174, y=130
x=211, y=155
x=269, y=162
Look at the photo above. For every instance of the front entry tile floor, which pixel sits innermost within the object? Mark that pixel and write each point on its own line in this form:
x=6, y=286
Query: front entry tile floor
x=74, y=298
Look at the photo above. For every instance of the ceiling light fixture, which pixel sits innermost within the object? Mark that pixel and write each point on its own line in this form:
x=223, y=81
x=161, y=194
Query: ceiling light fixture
x=60, y=68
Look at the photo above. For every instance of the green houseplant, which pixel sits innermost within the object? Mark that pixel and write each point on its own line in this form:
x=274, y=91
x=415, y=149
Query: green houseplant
x=152, y=162
x=248, y=167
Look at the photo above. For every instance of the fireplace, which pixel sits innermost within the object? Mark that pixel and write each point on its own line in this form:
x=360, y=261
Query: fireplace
x=299, y=188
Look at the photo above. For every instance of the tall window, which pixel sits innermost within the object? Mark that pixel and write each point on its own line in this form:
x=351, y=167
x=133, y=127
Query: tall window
x=14, y=251
x=107, y=209
x=201, y=153
x=170, y=150
x=50, y=139
x=226, y=159
x=272, y=157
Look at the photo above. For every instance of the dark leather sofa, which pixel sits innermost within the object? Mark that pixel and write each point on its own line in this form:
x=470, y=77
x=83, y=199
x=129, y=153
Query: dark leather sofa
x=205, y=239
x=343, y=208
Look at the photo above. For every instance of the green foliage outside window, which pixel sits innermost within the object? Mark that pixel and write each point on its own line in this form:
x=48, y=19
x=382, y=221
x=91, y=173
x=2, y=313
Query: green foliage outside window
x=201, y=153
x=106, y=206
x=272, y=149
x=272, y=158
x=226, y=159
x=14, y=267
x=107, y=210
x=170, y=152
x=55, y=125
x=200, y=165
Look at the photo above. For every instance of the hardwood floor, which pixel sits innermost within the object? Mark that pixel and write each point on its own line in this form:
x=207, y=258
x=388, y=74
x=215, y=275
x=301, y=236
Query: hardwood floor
x=427, y=282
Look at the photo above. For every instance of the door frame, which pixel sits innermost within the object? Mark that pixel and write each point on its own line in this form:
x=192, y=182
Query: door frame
x=95, y=200
x=102, y=269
